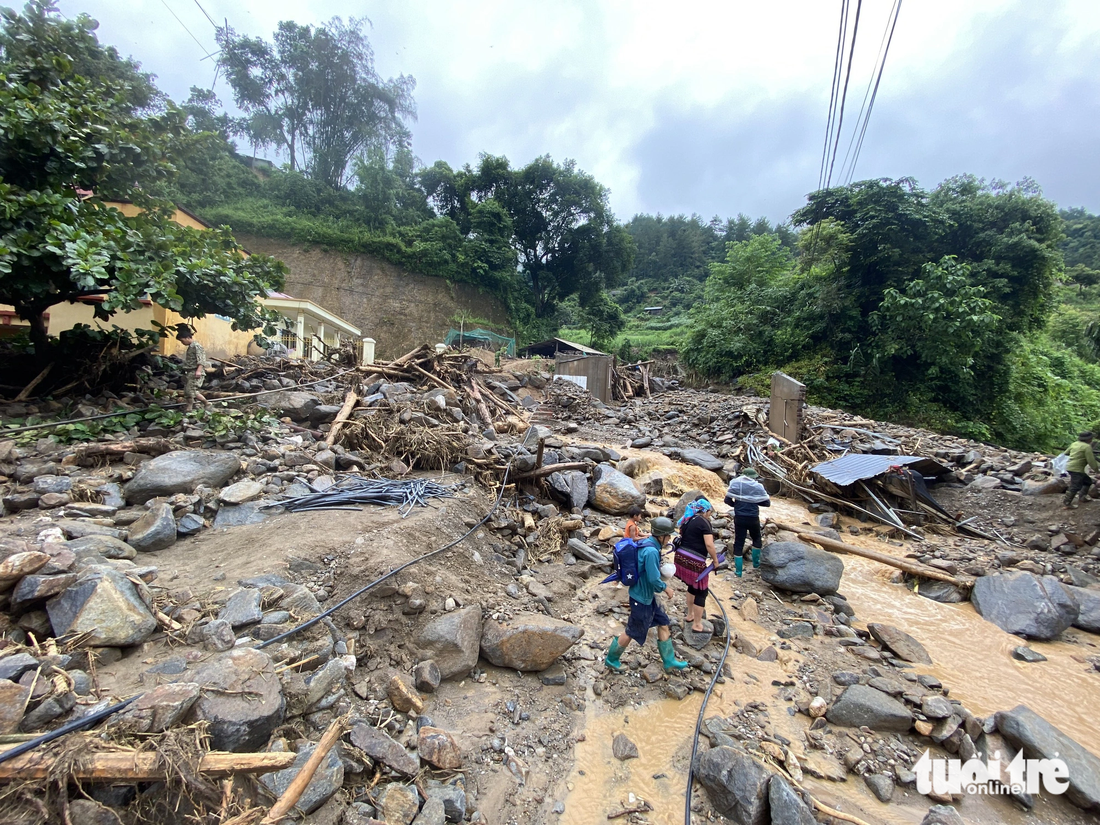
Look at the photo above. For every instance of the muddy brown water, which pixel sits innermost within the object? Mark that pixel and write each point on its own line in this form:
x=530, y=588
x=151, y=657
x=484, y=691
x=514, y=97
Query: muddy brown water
x=971, y=657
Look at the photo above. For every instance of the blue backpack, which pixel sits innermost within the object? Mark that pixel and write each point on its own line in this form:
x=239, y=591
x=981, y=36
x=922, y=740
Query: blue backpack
x=626, y=563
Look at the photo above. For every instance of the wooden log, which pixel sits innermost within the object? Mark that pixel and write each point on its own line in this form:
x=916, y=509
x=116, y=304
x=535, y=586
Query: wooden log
x=132, y=766
x=409, y=357
x=25, y=393
x=482, y=407
x=341, y=417
x=116, y=449
x=433, y=378
x=912, y=567
x=549, y=469
x=297, y=787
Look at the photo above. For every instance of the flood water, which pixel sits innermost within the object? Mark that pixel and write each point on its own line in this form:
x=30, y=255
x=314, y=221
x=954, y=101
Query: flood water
x=971, y=657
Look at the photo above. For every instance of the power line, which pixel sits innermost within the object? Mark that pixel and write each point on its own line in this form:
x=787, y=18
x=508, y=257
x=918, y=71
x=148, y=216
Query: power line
x=208, y=17
x=833, y=89
x=165, y=3
x=844, y=94
x=874, y=94
x=867, y=94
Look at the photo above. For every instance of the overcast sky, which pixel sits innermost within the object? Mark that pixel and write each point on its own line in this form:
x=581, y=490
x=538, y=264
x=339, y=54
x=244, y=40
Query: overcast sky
x=714, y=108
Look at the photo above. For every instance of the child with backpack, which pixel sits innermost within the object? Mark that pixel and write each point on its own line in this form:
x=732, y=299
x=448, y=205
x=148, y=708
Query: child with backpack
x=639, y=565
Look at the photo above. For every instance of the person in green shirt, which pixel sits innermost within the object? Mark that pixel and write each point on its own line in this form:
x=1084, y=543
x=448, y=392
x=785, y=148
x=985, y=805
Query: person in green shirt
x=194, y=367
x=1081, y=457
x=645, y=609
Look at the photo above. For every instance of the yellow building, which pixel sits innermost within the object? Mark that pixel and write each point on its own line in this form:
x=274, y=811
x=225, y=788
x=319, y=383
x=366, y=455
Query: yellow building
x=309, y=332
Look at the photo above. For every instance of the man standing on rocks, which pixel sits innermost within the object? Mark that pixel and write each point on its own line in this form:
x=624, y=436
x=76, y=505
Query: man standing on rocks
x=1080, y=458
x=746, y=496
x=645, y=608
x=194, y=366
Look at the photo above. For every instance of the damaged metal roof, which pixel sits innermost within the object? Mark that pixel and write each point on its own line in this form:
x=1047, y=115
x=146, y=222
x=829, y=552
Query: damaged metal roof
x=852, y=468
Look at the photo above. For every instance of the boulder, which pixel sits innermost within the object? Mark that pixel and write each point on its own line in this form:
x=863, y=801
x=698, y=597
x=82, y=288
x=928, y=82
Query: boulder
x=701, y=458
x=242, y=699
x=157, y=710
x=1035, y=607
x=570, y=488
x=437, y=747
x=1089, y=601
x=453, y=641
x=105, y=603
x=613, y=492
x=736, y=784
x=861, y=705
x=1039, y=739
x=398, y=803
x=527, y=641
x=105, y=546
x=238, y=515
x=942, y=815
x=241, y=492
x=34, y=589
x=786, y=806
x=180, y=471
x=799, y=568
x=684, y=501
x=243, y=608
x=324, y=784
x=155, y=530
x=380, y=747
x=582, y=551
x=904, y=646
x=296, y=405
x=937, y=591
x=18, y=565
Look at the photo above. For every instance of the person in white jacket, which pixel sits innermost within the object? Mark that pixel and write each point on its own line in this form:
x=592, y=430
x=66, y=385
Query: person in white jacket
x=746, y=495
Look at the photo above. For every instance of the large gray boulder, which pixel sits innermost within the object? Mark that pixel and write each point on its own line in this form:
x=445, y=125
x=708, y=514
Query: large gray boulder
x=570, y=488
x=180, y=471
x=242, y=699
x=296, y=405
x=527, y=641
x=799, y=568
x=736, y=784
x=613, y=492
x=861, y=705
x=1039, y=739
x=155, y=530
x=453, y=641
x=1089, y=601
x=105, y=603
x=701, y=458
x=1035, y=607
x=105, y=546
x=787, y=807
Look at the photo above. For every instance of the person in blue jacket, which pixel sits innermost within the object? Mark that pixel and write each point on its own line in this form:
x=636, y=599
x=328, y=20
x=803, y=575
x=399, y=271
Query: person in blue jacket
x=746, y=495
x=645, y=608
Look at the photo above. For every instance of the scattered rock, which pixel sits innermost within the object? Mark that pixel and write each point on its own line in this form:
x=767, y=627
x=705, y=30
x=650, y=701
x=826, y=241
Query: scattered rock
x=701, y=458
x=904, y=646
x=402, y=694
x=159, y=709
x=1025, y=604
x=380, y=747
x=13, y=700
x=104, y=603
x=942, y=815
x=736, y=784
x=438, y=747
x=398, y=803
x=181, y=471
x=786, y=806
x=570, y=488
x=1089, y=603
x=861, y=705
x=527, y=641
x=613, y=492
x=622, y=748
x=324, y=784
x=243, y=608
x=1026, y=654
x=1041, y=740
x=105, y=546
x=427, y=677
x=453, y=641
x=155, y=530
x=881, y=785
x=799, y=568
x=241, y=698
x=241, y=492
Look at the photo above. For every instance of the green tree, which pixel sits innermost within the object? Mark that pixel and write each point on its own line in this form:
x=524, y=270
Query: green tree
x=603, y=319
x=314, y=94
x=70, y=142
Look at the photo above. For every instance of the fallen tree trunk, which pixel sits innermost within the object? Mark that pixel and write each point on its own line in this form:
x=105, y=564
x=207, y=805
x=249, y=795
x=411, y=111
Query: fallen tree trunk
x=131, y=766
x=341, y=417
x=117, y=449
x=294, y=790
x=550, y=469
x=915, y=568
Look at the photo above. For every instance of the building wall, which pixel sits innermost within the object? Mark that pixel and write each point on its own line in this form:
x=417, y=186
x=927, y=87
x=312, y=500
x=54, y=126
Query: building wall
x=399, y=309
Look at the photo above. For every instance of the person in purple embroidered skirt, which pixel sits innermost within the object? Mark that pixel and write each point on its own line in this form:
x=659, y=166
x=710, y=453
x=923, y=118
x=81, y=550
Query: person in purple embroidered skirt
x=696, y=544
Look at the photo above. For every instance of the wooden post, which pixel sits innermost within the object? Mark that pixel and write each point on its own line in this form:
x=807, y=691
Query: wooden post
x=297, y=787
x=25, y=393
x=131, y=766
x=341, y=417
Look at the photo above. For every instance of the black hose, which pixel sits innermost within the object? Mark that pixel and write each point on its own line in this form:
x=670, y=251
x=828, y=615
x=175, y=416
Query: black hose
x=71, y=727
x=702, y=710
x=50, y=425
x=395, y=571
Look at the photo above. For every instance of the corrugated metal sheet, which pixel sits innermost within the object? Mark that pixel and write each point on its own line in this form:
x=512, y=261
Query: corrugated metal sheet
x=852, y=468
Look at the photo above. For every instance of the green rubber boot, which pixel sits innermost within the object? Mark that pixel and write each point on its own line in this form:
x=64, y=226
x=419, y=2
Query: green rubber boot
x=738, y=565
x=612, y=657
x=756, y=557
x=668, y=656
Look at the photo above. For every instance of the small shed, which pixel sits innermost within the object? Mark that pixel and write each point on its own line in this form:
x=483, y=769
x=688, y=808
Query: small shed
x=550, y=348
x=590, y=371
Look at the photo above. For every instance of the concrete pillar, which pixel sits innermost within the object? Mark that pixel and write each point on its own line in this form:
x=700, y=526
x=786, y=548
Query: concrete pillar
x=368, y=350
x=440, y=349
x=300, y=331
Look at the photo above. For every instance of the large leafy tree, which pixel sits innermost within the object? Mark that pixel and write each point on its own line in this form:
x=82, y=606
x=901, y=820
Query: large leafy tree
x=75, y=132
x=314, y=94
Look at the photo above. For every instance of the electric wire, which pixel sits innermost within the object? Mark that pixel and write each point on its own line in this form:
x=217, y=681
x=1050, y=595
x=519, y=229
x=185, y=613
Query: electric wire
x=165, y=3
x=51, y=424
x=833, y=89
x=844, y=94
x=702, y=711
x=64, y=730
x=208, y=17
x=874, y=94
